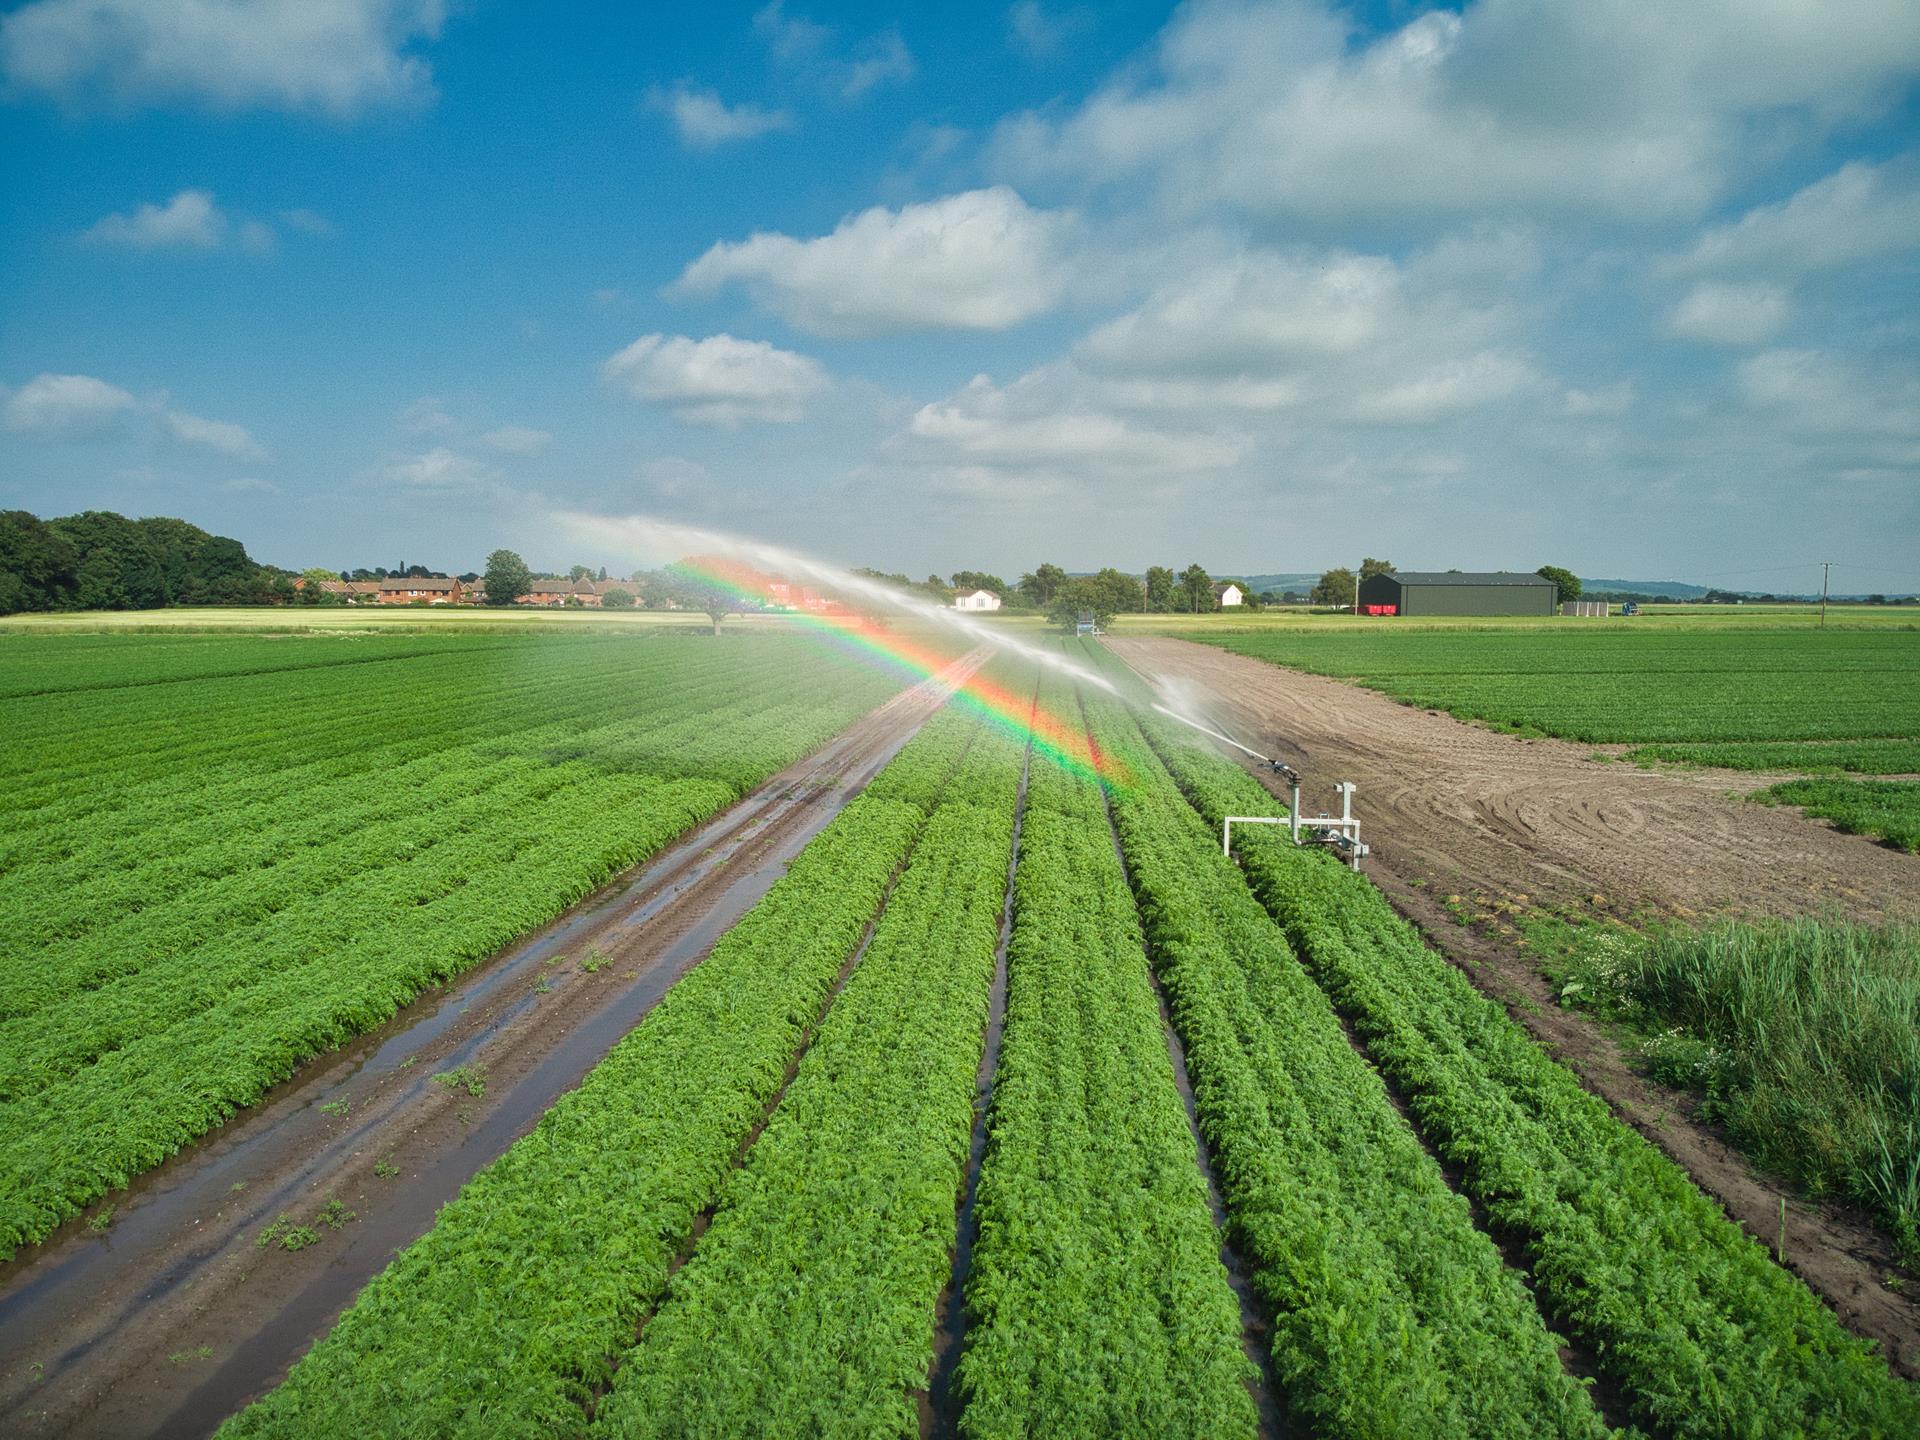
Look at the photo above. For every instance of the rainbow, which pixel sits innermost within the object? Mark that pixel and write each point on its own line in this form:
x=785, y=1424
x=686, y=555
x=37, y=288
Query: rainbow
x=1063, y=740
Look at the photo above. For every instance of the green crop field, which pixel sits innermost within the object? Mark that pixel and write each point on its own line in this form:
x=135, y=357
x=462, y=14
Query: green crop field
x=223, y=856
x=1840, y=702
x=1012, y=1108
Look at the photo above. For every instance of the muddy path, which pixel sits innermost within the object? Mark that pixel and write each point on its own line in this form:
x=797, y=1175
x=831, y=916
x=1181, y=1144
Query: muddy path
x=1449, y=808
x=174, y=1315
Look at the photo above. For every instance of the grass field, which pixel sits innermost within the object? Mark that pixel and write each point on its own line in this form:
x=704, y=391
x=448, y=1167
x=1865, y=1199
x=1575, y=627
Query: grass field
x=1675, y=690
x=228, y=854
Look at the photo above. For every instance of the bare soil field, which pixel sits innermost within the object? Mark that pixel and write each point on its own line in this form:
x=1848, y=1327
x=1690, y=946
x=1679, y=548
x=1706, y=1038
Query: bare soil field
x=1450, y=808
x=114, y=1334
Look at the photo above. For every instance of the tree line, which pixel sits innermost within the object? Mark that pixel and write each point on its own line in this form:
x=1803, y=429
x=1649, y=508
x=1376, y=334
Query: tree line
x=99, y=560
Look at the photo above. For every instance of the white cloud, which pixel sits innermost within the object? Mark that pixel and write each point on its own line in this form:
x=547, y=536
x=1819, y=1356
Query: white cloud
x=193, y=220
x=790, y=37
x=1735, y=315
x=808, y=47
x=1038, y=425
x=883, y=60
x=980, y=260
x=517, y=440
x=1452, y=388
x=1041, y=33
x=221, y=436
x=439, y=469
x=719, y=380
x=62, y=405
x=340, y=57
x=1821, y=392
x=703, y=120
x=189, y=221
x=1860, y=212
x=1609, y=106
x=1334, y=334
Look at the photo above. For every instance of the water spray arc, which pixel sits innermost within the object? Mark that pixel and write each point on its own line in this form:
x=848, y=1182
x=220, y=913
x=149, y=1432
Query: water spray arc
x=1059, y=739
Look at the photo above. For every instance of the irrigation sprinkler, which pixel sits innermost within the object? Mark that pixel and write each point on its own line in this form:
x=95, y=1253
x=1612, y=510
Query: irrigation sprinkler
x=1338, y=832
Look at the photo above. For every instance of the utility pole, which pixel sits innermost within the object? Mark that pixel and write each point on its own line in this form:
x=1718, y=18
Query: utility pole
x=1826, y=569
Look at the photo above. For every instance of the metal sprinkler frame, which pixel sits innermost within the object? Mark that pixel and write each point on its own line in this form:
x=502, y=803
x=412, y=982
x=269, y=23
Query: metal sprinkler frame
x=1338, y=832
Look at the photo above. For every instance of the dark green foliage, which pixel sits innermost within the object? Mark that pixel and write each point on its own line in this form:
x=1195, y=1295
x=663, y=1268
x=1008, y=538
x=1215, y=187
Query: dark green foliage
x=102, y=561
x=507, y=577
x=1691, y=1320
x=1089, y=1187
x=210, y=879
x=503, y=1318
x=1886, y=809
x=808, y=1306
x=1393, y=1314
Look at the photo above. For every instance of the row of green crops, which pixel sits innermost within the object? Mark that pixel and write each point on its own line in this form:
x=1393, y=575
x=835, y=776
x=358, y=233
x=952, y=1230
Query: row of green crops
x=210, y=879
x=1626, y=685
x=1687, y=1317
x=1392, y=1313
x=807, y=1308
x=509, y=1315
x=1889, y=809
x=1097, y=1302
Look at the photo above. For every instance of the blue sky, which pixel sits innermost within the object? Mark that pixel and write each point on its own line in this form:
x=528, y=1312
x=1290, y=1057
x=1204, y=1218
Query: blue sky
x=1270, y=286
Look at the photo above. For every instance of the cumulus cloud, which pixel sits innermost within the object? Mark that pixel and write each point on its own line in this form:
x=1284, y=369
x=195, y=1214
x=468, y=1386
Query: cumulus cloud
x=1039, y=426
x=517, y=440
x=1734, y=315
x=193, y=220
x=980, y=260
x=703, y=120
x=1609, y=106
x=1860, y=212
x=189, y=221
x=221, y=436
x=339, y=57
x=63, y=405
x=55, y=407
x=719, y=380
x=1342, y=335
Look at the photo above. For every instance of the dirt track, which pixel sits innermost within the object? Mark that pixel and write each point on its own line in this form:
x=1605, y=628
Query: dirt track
x=173, y=1317
x=1458, y=806
x=1452, y=808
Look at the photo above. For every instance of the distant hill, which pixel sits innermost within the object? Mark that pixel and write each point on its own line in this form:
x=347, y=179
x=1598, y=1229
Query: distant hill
x=1262, y=583
x=1674, y=589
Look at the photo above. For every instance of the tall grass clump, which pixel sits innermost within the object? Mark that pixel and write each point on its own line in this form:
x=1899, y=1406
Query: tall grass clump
x=1804, y=1039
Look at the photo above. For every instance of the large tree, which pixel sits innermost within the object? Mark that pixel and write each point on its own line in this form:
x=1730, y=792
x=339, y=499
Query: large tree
x=1371, y=567
x=1039, y=586
x=1568, y=582
x=1081, y=597
x=1160, y=589
x=692, y=590
x=508, y=577
x=1196, y=589
x=1336, y=588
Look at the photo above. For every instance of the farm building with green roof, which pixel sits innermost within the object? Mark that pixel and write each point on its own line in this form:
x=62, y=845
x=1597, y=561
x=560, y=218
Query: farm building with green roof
x=1457, y=592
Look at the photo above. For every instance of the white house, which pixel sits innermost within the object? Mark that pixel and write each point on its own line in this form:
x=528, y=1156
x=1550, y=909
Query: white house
x=1229, y=595
x=978, y=600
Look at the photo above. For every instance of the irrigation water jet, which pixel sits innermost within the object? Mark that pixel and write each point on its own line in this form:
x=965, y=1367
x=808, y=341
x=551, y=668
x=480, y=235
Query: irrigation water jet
x=645, y=535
